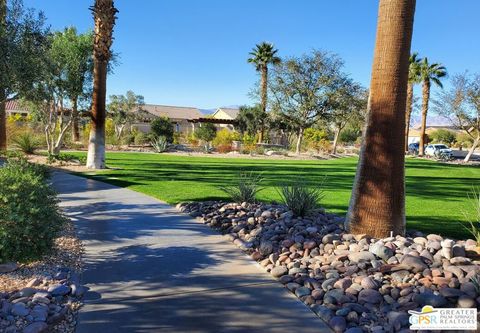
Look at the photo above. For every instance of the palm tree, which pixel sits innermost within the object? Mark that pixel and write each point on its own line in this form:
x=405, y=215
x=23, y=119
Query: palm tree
x=377, y=205
x=263, y=55
x=104, y=16
x=428, y=73
x=413, y=78
x=3, y=97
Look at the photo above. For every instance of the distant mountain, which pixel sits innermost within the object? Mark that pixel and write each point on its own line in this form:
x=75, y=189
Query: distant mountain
x=432, y=120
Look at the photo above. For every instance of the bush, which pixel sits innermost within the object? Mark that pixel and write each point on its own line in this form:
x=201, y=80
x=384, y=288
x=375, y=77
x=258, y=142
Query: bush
x=206, y=132
x=160, y=144
x=464, y=140
x=249, y=143
x=26, y=142
x=245, y=189
x=223, y=149
x=443, y=136
x=316, y=139
x=162, y=127
x=349, y=135
x=300, y=199
x=141, y=139
x=225, y=137
x=30, y=218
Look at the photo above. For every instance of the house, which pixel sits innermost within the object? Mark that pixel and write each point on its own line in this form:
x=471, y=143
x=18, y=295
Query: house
x=13, y=108
x=434, y=123
x=228, y=114
x=180, y=116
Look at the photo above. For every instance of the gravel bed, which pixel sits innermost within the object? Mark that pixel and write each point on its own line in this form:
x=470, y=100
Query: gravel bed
x=353, y=282
x=45, y=295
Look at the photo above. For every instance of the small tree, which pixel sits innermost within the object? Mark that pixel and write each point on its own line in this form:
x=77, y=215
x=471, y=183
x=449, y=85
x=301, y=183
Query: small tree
x=251, y=119
x=443, y=136
x=206, y=132
x=121, y=109
x=162, y=127
x=303, y=89
x=461, y=104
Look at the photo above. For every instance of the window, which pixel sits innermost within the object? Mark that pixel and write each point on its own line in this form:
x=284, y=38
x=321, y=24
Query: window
x=177, y=127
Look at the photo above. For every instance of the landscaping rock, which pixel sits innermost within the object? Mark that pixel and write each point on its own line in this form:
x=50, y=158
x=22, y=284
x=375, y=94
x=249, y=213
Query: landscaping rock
x=8, y=267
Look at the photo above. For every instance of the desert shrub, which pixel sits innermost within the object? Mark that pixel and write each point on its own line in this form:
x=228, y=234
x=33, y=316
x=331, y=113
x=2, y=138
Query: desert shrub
x=443, y=136
x=178, y=138
x=300, y=199
x=246, y=187
x=162, y=127
x=225, y=137
x=223, y=149
x=464, y=140
x=193, y=140
x=473, y=217
x=316, y=139
x=206, y=132
x=141, y=139
x=249, y=143
x=350, y=135
x=160, y=144
x=30, y=218
x=26, y=142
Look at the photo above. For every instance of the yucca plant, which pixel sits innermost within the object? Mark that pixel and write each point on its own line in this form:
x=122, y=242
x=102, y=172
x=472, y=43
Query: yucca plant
x=26, y=142
x=301, y=199
x=474, y=228
x=246, y=188
x=160, y=144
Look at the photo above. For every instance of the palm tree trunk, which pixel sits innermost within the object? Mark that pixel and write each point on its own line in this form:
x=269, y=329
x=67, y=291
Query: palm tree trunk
x=75, y=128
x=377, y=205
x=264, y=96
x=408, y=112
x=3, y=121
x=475, y=144
x=3, y=95
x=299, y=141
x=426, y=98
x=96, y=143
x=335, y=140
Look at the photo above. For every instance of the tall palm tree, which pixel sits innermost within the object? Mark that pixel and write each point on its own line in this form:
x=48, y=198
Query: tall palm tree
x=263, y=55
x=428, y=73
x=104, y=13
x=3, y=97
x=377, y=205
x=413, y=78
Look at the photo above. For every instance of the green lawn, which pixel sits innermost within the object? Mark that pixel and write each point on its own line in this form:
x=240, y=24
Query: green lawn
x=436, y=193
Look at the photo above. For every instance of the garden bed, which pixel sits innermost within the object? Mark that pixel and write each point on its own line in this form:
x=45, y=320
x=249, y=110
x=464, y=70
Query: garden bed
x=43, y=296
x=352, y=282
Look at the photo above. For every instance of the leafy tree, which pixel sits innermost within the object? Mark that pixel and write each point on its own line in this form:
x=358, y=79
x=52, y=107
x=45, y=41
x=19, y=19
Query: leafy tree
x=413, y=78
x=263, y=55
x=377, y=205
x=303, y=89
x=206, y=132
x=461, y=104
x=162, y=127
x=428, y=73
x=349, y=102
x=22, y=39
x=104, y=14
x=443, y=136
x=121, y=109
x=250, y=119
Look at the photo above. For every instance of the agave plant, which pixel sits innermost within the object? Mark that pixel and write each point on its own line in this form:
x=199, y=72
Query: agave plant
x=245, y=189
x=160, y=144
x=26, y=142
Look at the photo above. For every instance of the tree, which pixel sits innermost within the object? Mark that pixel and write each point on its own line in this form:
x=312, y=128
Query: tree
x=443, y=136
x=206, y=132
x=104, y=13
x=377, y=205
x=162, y=126
x=76, y=51
x=263, y=55
x=250, y=119
x=461, y=104
x=413, y=78
x=349, y=101
x=121, y=109
x=303, y=89
x=22, y=39
x=428, y=73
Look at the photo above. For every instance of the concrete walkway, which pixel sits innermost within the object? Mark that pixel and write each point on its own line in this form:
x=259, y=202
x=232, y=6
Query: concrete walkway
x=151, y=269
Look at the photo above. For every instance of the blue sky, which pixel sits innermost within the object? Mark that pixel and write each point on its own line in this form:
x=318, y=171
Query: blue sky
x=193, y=52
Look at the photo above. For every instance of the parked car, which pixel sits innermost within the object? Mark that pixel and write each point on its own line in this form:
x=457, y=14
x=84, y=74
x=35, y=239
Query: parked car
x=413, y=148
x=438, y=150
